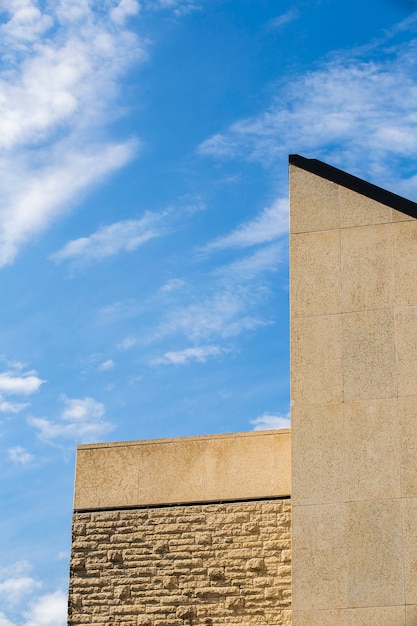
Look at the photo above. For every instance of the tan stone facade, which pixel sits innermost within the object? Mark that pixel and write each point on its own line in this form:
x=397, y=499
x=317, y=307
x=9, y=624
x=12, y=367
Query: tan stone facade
x=204, y=565
x=155, y=543
x=196, y=530
x=354, y=400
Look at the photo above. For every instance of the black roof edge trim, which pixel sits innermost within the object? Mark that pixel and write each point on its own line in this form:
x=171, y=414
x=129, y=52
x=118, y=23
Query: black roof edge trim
x=333, y=174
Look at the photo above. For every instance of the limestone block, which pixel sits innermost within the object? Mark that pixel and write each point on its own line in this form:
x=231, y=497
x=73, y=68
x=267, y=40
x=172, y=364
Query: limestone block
x=314, y=202
x=407, y=412
x=185, y=481
x=375, y=568
x=359, y=210
x=106, y=479
x=316, y=360
x=411, y=615
x=319, y=438
x=373, y=449
x=367, y=268
x=406, y=339
x=315, y=273
x=319, y=556
x=321, y=618
x=405, y=262
x=369, y=355
x=383, y=616
x=410, y=549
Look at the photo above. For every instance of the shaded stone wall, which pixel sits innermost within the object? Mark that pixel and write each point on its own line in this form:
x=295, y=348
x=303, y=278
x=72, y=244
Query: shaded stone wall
x=200, y=565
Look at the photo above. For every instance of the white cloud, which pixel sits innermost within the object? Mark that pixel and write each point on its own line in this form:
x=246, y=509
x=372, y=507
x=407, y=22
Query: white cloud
x=225, y=313
x=17, y=454
x=220, y=145
x=26, y=21
x=106, y=365
x=14, y=570
x=182, y=357
x=234, y=293
x=48, y=610
x=25, y=385
x=285, y=18
x=237, y=290
x=269, y=422
x=66, y=118
x=344, y=110
x=173, y=285
x=82, y=420
x=43, y=194
x=4, y=621
x=126, y=235
x=12, y=407
x=178, y=7
x=124, y=10
x=16, y=589
x=127, y=343
x=120, y=310
x=270, y=224
x=19, y=595
x=265, y=259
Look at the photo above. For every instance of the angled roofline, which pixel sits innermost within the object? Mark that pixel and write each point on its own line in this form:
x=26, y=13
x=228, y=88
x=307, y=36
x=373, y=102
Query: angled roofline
x=333, y=174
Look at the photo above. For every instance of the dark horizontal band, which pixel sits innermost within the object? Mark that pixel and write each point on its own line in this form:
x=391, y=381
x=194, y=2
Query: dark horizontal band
x=182, y=504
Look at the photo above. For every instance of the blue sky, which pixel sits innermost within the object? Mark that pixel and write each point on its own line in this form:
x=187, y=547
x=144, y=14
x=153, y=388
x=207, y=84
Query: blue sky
x=143, y=225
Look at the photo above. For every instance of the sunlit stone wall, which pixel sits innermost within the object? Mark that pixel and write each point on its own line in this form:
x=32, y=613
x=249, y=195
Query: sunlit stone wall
x=354, y=401
x=155, y=543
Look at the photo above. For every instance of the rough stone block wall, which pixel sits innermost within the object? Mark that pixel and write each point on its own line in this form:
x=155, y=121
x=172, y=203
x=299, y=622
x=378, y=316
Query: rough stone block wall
x=196, y=565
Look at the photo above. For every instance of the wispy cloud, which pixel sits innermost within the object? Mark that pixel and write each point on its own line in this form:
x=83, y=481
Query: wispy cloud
x=12, y=407
x=285, y=18
x=120, y=310
x=127, y=343
x=17, y=454
x=270, y=421
x=81, y=420
x=345, y=109
x=126, y=235
x=222, y=314
x=235, y=292
x=182, y=357
x=271, y=223
x=106, y=365
x=59, y=90
x=173, y=285
x=266, y=259
x=177, y=7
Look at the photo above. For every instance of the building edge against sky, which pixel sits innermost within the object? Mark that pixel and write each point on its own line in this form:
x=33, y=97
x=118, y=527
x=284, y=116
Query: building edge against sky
x=197, y=530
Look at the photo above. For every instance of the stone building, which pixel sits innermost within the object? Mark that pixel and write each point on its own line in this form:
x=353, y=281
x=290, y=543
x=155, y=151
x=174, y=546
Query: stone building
x=198, y=531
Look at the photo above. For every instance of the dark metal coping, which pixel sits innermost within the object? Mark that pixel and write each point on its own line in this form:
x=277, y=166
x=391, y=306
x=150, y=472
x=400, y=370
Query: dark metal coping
x=314, y=166
x=182, y=504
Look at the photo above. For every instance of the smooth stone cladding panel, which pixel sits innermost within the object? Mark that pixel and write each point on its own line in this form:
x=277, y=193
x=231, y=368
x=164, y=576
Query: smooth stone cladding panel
x=354, y=402
x=190, y=469
x=184, y=531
